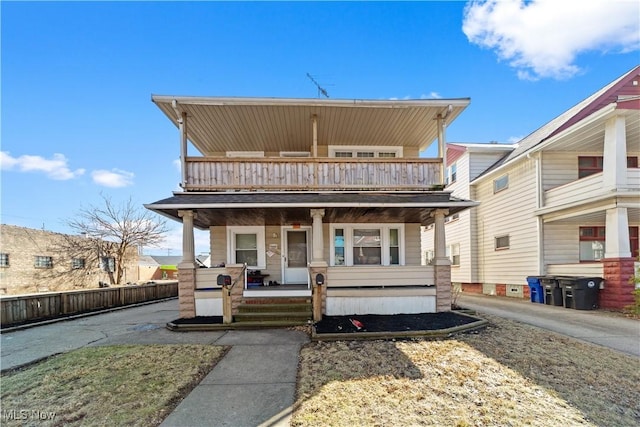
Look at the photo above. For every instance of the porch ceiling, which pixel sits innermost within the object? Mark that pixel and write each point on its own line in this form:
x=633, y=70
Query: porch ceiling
x=216, y=125
x=291, y=208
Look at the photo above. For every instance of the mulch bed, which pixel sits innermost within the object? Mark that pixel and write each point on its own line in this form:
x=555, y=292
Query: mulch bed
x=392, y=323
x=199, y=320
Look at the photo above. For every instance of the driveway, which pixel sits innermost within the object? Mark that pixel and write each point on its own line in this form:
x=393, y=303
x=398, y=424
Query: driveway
x=604, y=328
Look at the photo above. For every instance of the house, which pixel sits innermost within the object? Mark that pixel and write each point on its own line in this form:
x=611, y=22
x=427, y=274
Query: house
x=313, y=198
x=563, y=201
x=34, y=260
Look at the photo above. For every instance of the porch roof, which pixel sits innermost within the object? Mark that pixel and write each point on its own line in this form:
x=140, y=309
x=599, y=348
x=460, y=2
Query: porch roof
x=277, y=208
x=219, y=124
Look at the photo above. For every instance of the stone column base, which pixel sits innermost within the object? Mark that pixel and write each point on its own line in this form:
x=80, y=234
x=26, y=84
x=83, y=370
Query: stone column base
x=186, y=296
x=442, y=274
x=618, y=286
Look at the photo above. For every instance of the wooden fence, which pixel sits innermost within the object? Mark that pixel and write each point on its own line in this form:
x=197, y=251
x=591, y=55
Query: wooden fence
x=17, y=310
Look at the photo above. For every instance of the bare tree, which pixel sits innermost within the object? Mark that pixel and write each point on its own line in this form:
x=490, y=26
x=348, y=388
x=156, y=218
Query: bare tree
x=113, y=231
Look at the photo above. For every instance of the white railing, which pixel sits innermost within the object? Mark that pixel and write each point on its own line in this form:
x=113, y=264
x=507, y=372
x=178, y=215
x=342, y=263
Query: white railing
x=223, y=174
x=585, y=270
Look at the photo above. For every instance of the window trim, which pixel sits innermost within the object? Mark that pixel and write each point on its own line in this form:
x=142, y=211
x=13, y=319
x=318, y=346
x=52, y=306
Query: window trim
x=451, y=174
x=259, y=231
x=496, y=181
x=597, y=165
x=384, y=243
x=354, y=149
x=450, y=253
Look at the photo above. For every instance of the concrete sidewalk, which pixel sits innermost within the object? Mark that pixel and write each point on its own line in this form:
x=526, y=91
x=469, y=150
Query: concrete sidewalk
x=604, y=328
x=254, y=384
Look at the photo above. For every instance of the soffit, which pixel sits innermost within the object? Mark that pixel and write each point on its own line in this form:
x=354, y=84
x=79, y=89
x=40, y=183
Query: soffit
x=274, y=124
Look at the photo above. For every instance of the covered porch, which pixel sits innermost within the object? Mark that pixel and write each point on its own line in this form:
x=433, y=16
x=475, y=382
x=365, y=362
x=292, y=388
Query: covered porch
x=347, y=252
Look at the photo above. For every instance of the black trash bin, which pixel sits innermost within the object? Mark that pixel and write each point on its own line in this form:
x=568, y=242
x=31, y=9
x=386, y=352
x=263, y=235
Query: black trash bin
x=536, y=292
x=581, y=293
x=552, y=291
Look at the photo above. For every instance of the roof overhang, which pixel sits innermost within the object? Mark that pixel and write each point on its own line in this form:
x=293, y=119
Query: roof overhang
x=219, y=124
x=280, y=208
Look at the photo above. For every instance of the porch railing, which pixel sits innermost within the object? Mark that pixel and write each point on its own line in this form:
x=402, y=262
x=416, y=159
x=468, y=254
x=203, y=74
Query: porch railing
x=324, y=173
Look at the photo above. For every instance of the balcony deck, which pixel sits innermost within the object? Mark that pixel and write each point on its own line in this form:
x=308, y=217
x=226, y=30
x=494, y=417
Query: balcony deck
x=320, y=173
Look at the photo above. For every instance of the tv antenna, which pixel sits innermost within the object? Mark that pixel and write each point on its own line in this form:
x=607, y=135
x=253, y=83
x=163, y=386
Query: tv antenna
x=321, y=90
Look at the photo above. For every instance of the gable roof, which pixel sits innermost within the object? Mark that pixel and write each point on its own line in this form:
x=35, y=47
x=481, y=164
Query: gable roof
x=622, y=89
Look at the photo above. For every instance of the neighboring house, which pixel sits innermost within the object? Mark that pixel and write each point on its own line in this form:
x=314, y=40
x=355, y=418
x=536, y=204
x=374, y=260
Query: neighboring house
x=37, y=260
x=306, y=189
x=563, y=201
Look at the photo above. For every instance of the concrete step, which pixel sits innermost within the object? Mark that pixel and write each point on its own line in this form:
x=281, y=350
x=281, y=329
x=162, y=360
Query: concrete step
x=300, y=316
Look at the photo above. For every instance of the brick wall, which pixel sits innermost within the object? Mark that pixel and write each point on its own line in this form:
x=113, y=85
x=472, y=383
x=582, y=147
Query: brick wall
x=21, y=276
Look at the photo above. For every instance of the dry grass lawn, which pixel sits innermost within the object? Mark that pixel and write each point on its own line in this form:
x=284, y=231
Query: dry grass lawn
x=509, y=374
x=106, y=386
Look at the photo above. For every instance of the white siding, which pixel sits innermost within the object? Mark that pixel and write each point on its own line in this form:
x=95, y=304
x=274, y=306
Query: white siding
x=509, y=212
x=412, y=246
x=561, y=244
x=218, y=244
x=479, y=162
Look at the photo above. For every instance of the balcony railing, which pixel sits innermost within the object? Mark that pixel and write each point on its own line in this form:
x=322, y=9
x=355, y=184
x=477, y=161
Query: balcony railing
x=583, y=189
x=224, y=174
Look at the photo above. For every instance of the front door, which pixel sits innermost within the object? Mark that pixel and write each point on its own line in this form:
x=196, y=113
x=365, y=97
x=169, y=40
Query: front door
x=296, y=257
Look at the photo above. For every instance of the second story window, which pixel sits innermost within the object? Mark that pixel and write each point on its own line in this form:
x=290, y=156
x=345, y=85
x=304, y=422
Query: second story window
x=4, y=260
x=77, y=263
x=501, y=183
x=348, y=151
x=43, y=262
x=589, y=165
x=452, y=172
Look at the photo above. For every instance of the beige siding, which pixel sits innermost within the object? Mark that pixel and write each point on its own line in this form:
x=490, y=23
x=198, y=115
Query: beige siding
x=412, y=247
x=509, y=212
x=561, y=244
x=362, y=276
x=218, y=244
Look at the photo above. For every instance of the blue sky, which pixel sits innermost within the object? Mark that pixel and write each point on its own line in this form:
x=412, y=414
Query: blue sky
x=77, y=78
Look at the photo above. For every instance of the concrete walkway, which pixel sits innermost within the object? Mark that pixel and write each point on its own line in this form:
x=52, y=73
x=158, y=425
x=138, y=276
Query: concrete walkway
x=254, y=384
x=604, y=328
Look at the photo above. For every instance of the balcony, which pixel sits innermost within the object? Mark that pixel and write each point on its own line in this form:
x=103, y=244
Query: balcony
x=318, y=174
x=584, y=189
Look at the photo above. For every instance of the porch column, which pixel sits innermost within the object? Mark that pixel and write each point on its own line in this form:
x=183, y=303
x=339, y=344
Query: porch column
x=441, y=264
x=617, y=233
x=614, y=162
x=186, y=268
x=318, y=238
x=442, y=149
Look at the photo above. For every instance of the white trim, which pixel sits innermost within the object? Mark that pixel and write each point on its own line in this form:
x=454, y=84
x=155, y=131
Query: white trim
x=283, y=240
x=384, y=242
x=258, y=230
x=365, y=148
x=270, y=292
x=245, y=153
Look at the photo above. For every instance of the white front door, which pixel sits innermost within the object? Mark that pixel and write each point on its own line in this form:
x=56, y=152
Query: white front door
x=296, y=255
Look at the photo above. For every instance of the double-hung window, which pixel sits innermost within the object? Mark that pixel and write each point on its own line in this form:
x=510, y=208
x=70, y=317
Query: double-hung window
x=247, y=246
x=43, y=261
x=367, y=244
x=350, y=151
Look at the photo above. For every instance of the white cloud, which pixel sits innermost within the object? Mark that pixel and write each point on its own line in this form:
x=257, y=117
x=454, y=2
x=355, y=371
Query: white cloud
x=514, y=139
x=431, y=95
x=542, y=38
x=55, y=168
x=114, y=178
x=176, y=164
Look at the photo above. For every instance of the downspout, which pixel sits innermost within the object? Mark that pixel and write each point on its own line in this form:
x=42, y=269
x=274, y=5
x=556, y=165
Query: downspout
x=182, y=125
x=539, y=204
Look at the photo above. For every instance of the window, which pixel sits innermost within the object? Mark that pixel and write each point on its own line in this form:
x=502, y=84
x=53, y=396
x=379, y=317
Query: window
x=589, y=165
x=502, y=242
x=501, y=183
x=338, y=244
x=451, y=174
x=108, y=264
x=453, y=252
x=450, y=218
x=364, y=152
x=592, y=240
x=592, y=243
x=247, y=245
x=367, y=246
x=370, y=244
x=428, y=256
x=43, y=262
x=77, y=263
x=4, y=260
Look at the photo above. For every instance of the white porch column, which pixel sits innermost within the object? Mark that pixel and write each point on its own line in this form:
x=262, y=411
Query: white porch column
x=442, y=149
x=188, y=249
x=440, y=242
x=617, y=233
x=614, y=162
x=318, y=237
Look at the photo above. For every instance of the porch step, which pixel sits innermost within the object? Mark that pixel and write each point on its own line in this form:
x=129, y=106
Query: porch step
x=261, y=311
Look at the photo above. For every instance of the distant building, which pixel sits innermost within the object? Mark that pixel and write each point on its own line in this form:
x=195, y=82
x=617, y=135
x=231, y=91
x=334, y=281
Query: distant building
x=38, y=261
